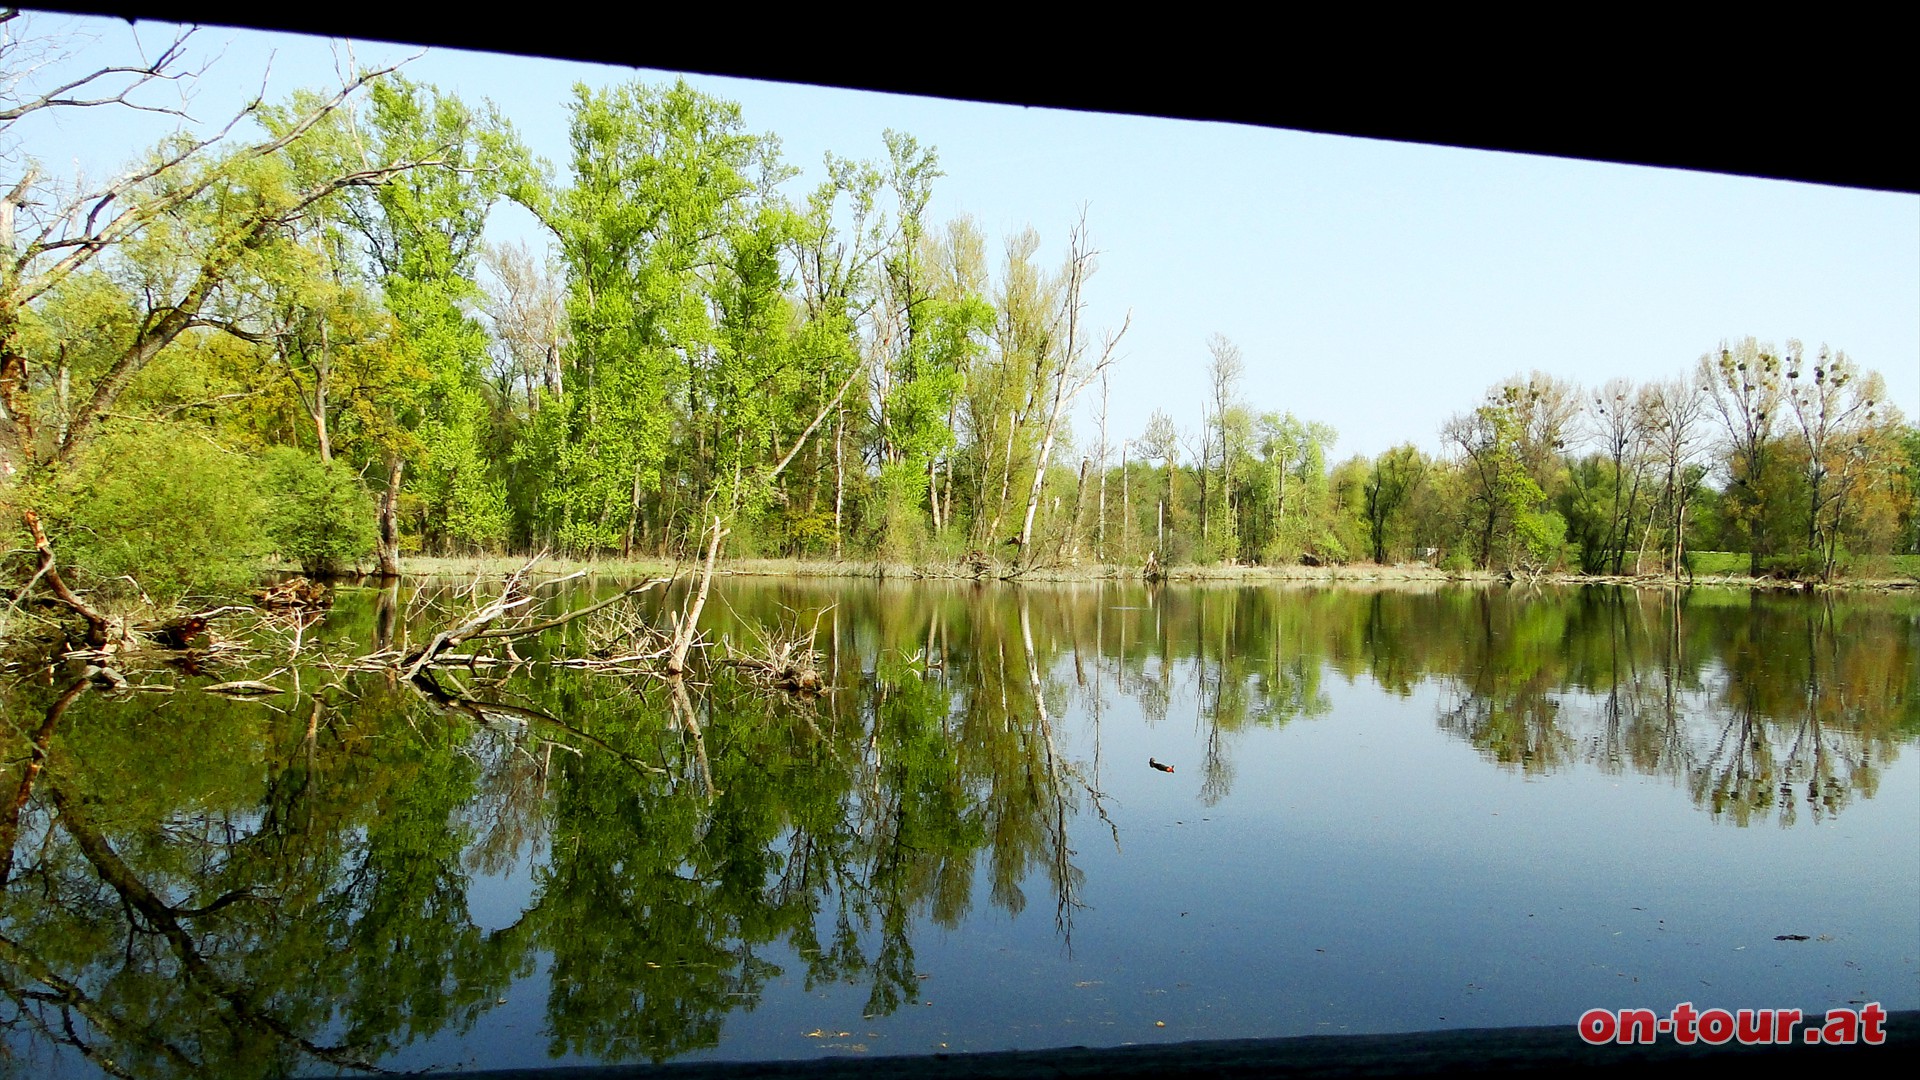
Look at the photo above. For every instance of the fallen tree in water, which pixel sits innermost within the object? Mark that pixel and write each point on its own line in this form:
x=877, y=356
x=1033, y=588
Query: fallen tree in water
x=106, y=635
x=621, y=638
x=295, y=594
x=48, y=569
x=622, y=634
x=503, y=619
x=783, y=660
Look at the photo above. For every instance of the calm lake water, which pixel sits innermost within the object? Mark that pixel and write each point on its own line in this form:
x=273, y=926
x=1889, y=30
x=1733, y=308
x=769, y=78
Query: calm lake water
x=1387, y=811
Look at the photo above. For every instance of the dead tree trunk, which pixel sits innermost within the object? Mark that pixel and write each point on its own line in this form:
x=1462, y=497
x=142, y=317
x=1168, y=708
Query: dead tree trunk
x=1100, y=524
x=389, y=524
x=1070, y=538
x=96, y=622
x=1068, y=382
x=683, y=631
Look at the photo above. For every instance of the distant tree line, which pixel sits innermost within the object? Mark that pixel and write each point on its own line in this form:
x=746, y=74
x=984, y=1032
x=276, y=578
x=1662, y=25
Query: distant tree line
x=1794, y=458
x=303, y=345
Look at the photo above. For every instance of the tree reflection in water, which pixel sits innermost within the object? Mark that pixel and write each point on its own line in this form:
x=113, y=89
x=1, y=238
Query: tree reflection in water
x=194, y=885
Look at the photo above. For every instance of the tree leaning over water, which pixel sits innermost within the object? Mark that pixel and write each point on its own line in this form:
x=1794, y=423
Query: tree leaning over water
x=204, y=215
x=833, y=373
x=171, y=300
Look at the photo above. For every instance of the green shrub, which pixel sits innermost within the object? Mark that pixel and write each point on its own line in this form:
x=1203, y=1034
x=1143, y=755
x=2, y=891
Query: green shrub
x=901, y=535
x=1543, y=535
x=1869, y=567
x=952, y=543
x=318, y=515
x=1331, y=549
x=807, y=535
x=1716, y=563
x=160, y=508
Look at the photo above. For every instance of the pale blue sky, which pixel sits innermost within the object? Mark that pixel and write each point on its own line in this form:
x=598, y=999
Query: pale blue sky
x=1376, y=286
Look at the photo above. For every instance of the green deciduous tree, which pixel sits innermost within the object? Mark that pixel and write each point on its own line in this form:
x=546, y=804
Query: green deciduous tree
x=1744, y=386
x=317, y=513
x=837, y=247
x=423, y=231
x=1391, y=484
x=1293, y=454
x=927, y=328
x=1503, y=511
x=658, y=176
x=196, y=217
x=199, y=236
x=1603, y=501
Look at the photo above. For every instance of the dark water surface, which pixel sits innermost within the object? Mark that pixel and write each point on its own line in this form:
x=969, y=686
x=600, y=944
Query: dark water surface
x=1388, y=811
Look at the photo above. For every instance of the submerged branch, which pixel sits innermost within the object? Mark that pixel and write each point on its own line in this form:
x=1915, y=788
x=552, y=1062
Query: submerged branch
x=683, y=711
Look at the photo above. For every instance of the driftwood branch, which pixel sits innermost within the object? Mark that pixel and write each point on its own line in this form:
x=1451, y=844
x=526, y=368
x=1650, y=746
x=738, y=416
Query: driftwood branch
x=479, y=625
x=96, y=622
x=511, y=598
x=562, y=620
x=683, y=631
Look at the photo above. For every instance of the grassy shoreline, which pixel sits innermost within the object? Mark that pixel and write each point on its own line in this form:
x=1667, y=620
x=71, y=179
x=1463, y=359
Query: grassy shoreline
x=1350, y=574
x=17, y=627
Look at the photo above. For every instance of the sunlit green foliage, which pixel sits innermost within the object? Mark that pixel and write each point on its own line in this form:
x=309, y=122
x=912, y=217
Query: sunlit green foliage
x=1393, y=480
x=317, y=513
x=835, y=374
x=159, y=510
x=425, y=240
x=659, y=172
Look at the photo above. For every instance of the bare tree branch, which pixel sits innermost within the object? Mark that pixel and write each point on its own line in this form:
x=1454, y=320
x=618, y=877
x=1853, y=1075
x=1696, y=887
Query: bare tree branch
x=96, y=622
x=92, y=241
x=173, y=321
x=163, y=69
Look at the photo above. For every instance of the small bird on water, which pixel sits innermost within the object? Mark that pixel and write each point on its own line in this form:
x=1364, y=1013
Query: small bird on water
x=1161, y=765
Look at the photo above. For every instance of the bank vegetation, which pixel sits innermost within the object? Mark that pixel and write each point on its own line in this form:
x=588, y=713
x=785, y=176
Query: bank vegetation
x=285, y=340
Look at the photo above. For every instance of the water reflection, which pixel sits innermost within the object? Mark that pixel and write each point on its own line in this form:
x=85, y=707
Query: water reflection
x=191, y=885
x=1763, y=708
